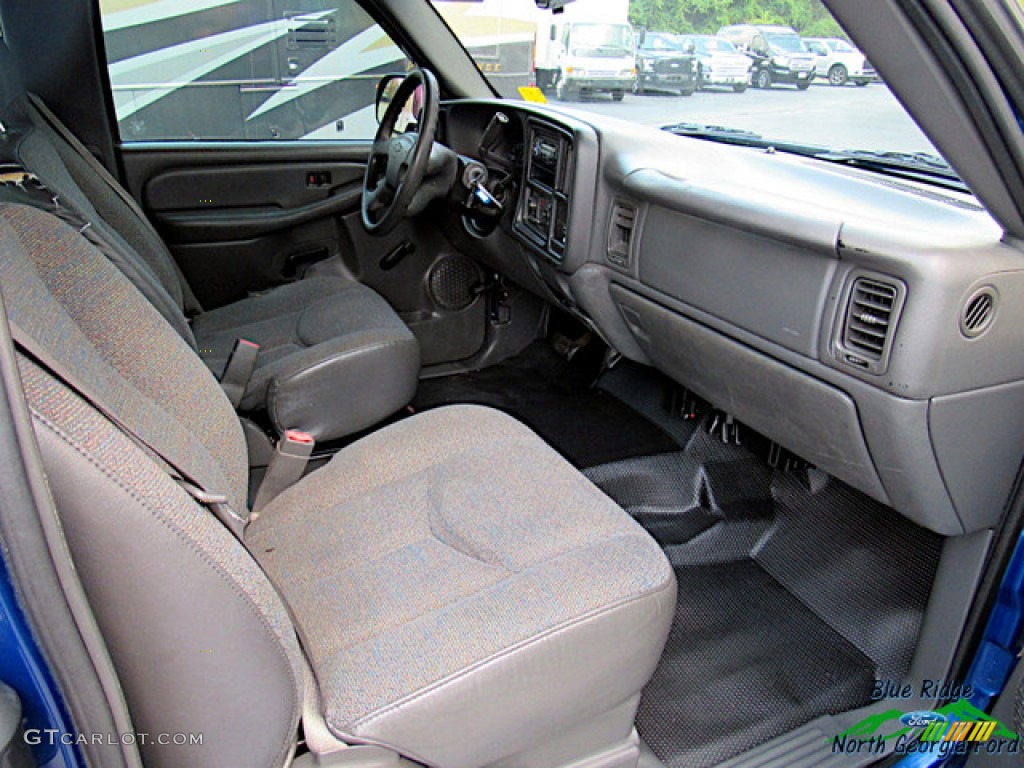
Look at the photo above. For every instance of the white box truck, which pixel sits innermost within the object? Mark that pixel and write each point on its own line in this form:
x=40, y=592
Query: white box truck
x=588, y=48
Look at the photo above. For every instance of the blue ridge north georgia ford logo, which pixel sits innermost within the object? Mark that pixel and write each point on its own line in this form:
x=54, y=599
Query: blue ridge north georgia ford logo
x=922, y=718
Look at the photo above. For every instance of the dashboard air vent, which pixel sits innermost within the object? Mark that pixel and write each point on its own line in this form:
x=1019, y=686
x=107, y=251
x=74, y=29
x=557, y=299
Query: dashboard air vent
x=869, y=324
x=978, y=312
x=868, y=317
x=620, y=233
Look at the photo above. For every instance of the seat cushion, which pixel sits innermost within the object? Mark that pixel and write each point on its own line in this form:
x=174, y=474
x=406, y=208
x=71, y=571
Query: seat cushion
x=462, y=591
x=334, y=357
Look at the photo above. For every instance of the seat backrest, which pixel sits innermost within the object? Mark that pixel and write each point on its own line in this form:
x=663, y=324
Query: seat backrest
x=127, y=220
x=128, y=240
x=200, y=639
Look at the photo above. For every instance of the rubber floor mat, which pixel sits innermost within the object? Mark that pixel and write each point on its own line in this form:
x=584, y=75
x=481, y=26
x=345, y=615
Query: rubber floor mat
x=796, y=592
x=745, y=660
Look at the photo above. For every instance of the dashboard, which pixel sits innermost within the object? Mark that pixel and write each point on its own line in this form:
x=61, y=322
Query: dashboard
x=857, y=320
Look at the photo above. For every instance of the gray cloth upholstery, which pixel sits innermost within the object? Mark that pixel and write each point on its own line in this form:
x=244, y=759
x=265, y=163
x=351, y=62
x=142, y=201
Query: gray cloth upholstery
x=336, y=357
x=137, y=233
x=31, y=148
x=454, y=548
x=32, y=143
x=462, y=594
x=200, y=639
x=322, y=340
x=79, y=308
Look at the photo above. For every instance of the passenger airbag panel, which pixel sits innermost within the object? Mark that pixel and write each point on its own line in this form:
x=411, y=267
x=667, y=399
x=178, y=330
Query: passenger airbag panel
x=769, y=287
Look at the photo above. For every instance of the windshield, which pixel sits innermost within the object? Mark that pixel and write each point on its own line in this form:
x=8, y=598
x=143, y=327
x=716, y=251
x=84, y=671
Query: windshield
x=654, y=41
x=786, y=101
x=841, y=46
x=786, y=43
x=709, y=45
x=600, y=39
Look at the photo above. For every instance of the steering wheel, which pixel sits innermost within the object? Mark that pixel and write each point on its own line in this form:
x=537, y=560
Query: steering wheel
x=398, y=162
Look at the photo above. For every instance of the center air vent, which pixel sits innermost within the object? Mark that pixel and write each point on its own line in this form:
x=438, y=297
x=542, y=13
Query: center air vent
x=620, y=233
x=869, y=323
x=978, y=312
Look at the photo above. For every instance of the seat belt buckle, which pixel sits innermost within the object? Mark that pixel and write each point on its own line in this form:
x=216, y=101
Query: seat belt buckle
x=238, y=371
x=291, y=456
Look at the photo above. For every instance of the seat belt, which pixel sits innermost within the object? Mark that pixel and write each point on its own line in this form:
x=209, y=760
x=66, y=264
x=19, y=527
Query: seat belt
x=216, y=503
x=192, y=305
x=286, y=467
x=21, y=186
x=94, y=165
x=238, y=371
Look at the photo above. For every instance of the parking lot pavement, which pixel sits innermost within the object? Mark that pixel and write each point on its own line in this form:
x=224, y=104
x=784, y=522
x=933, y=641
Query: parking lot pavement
x=843, y=118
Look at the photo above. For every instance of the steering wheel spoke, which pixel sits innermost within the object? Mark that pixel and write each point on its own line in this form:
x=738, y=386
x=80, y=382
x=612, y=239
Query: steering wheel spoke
x=398, y=161
x=379, y=196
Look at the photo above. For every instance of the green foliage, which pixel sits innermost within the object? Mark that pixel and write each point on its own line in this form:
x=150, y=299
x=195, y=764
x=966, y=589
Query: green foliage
x=808, y=17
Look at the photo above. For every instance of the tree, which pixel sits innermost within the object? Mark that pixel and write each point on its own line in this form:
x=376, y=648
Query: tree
x=661, y=15
x=807, y=17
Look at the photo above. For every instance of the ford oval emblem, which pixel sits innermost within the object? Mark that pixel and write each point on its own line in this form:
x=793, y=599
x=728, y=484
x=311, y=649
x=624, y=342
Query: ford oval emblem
x=922, y=718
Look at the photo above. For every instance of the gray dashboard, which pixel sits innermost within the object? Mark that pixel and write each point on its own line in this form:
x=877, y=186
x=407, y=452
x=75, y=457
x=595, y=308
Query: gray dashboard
x=870, y=325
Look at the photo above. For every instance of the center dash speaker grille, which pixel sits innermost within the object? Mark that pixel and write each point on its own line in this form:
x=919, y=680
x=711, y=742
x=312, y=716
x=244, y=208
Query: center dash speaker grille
x=451, y=282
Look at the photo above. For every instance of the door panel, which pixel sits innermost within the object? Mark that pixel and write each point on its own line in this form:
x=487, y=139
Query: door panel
x=241, y=228
x=244, y=217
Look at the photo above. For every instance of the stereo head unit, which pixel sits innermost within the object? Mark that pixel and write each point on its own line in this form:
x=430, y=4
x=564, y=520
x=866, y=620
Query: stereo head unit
x=543, y=216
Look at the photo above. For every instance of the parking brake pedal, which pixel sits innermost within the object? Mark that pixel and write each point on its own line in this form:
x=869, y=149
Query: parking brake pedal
x=392, y=258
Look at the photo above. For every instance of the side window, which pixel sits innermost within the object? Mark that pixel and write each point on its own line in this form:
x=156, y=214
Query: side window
x=245, y=69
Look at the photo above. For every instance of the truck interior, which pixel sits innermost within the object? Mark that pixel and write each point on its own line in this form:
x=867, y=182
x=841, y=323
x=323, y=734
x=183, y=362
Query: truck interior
x=617, y=451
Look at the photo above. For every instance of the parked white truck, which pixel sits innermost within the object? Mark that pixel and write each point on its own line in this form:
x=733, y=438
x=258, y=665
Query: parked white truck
x=588, y=48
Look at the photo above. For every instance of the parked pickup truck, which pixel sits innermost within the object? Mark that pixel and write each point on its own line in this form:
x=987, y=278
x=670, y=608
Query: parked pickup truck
x=665, y=61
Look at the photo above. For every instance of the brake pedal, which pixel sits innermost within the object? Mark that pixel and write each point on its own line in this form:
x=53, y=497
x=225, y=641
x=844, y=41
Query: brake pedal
x=567, y=347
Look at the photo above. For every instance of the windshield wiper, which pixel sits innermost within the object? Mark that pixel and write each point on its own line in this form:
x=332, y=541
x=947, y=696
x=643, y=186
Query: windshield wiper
x=917, y=166
x=909, y=164
x=721, y=133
